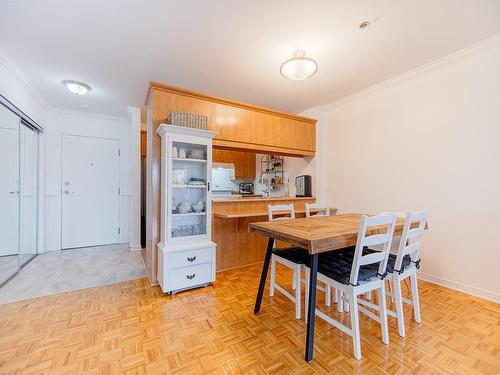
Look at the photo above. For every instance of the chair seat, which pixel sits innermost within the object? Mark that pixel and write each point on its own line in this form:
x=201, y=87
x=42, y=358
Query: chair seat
x=337, y=265
x=392, y=261
x=296, y=255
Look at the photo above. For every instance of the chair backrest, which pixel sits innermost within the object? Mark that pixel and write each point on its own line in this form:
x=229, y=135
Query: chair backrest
x=411, y=238
x=395, y=239
x=380, y=242
x=321, y=210
x=287, y=209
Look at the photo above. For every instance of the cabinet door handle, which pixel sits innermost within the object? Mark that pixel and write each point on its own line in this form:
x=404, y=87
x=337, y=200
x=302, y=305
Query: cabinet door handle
x=191, y=259
x=191, y=277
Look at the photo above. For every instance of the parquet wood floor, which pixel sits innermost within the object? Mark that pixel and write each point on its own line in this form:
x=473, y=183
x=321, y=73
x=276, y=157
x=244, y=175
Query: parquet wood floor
x=132, y=328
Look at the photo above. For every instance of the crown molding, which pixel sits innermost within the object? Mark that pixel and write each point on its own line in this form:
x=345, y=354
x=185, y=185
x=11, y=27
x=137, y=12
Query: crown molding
x=69, y=112
x=21, y=77
x=475, y=48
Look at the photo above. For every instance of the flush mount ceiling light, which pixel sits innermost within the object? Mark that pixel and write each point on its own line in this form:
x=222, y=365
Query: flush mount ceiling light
x=77, y=88
x=299, y=67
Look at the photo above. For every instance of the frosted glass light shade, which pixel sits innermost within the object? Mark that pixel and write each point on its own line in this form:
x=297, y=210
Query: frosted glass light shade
x=77, y=88
x=299, y=67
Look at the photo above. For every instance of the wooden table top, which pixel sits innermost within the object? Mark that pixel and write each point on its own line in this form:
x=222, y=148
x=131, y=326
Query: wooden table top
x=320, y=234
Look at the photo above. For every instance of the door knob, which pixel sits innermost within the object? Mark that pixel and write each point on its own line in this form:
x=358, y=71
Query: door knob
x=14, y=192
x=67, y=192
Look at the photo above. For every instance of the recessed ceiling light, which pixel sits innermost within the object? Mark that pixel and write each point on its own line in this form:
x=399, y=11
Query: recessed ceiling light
x=299, y=67
x=77, y=88
x=364, y=25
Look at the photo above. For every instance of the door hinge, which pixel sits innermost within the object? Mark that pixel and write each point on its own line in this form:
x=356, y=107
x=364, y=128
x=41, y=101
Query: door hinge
x=118, y=230
x=119, y=191
x=118, y=152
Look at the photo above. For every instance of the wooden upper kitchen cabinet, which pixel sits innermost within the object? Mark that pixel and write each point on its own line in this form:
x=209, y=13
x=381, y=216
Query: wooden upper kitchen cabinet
x=244, y=162
x=238, y=125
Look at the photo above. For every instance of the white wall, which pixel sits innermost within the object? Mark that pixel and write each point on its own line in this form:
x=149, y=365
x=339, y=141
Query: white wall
x=429, y=140
x=135, y=178
x=75, y=123
x=17, y=89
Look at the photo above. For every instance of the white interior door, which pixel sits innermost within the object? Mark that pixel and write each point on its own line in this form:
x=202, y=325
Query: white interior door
x=9, y=191
x=90, y=191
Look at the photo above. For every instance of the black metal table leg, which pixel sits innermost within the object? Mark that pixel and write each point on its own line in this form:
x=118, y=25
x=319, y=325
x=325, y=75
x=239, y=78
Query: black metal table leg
x=311, y=308
x=263, y=275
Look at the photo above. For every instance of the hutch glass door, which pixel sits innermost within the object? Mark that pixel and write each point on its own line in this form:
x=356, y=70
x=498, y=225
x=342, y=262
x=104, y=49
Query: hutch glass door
x=189, y=189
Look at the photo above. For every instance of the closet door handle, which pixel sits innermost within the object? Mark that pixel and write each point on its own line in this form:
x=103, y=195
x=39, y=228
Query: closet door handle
x=14, y=192
x=191, y=259
x=191, y=277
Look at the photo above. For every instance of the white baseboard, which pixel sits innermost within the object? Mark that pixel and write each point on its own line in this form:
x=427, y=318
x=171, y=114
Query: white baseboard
x=135, y=248
x=477, y=292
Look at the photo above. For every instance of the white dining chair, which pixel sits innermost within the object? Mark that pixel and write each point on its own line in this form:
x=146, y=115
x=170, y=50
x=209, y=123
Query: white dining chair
x=316, y=210
x=355, y=274
x=321, y=210
x=403, y=265
x=292, y=258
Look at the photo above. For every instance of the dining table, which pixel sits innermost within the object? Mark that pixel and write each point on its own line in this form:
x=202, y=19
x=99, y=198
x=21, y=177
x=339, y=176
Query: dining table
x=316, y=235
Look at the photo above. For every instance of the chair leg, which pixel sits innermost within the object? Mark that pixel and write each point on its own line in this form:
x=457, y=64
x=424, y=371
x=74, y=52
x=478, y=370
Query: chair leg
x=414, y=297
x=306, y=294
x=398, y=298
x=392, y=291
x=298, y=294
x=383, y=314
x=328, y=295
x=294, y=280
x=273, y=276
x=356, y=339
x=340, y=305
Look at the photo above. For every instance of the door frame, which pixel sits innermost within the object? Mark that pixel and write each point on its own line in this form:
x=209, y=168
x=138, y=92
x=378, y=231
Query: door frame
x=119, y=184
x=38, y=194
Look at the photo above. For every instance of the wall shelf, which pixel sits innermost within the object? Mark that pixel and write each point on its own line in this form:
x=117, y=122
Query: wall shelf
x=189, y=186
x=190, y=214
x=188, y=160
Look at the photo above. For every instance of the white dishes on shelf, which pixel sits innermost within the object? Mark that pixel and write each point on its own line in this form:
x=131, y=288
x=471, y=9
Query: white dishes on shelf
x=188, y=230
x=196, y=154
x=179, y=176
x=184, y=207
x=197, y=182
x=199, y=206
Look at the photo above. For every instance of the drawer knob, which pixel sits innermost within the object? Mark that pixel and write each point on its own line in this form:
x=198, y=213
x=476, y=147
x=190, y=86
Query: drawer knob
x=191, y=277
x=191, y=259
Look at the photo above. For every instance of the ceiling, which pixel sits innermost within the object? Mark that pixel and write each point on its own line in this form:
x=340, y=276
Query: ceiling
x=230, y=48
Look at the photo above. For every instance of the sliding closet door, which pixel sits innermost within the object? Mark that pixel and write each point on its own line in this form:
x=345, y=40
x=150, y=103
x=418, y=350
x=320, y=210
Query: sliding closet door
x=28, y=193
x=9, y=193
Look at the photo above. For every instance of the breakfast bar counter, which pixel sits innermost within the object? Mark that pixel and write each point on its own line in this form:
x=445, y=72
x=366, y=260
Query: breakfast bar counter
x=236, y=246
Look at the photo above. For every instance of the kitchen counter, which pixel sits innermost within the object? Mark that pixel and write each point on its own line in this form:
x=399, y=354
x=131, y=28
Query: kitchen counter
x=262, y=199
x=263, y=214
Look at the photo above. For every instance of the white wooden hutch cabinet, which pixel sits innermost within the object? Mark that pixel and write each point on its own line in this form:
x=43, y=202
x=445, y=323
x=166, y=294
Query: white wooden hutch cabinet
x=186, y=253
